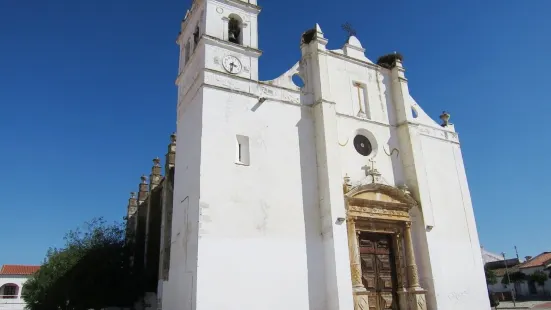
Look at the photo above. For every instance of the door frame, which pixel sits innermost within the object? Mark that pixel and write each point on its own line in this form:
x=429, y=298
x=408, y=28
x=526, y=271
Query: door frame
x=380, y=208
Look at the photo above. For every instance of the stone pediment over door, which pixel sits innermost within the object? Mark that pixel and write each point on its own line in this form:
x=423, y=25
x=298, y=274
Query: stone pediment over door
x=378, y=201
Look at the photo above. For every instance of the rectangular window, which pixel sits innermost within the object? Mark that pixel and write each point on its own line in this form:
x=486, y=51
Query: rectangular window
x=359, y=100
x=242, y=151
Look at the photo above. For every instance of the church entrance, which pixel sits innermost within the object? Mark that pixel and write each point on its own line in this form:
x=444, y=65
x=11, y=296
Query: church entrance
x=382, y=260
x=378, y=267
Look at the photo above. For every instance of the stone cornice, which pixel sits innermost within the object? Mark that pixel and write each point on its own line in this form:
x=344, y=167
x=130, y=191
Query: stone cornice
x=353, y=60
x=248, y=51
x=263, y=83
x=432, y=131
x=317, y=102
x=247, y=94
x=363, y=119
x=230, y=76
x=437, y=133
x=391, y=191
x=253, y=8
x=360, y=202
x=247, y=87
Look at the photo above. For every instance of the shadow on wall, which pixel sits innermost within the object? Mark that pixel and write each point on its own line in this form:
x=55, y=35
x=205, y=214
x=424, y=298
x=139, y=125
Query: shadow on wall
x=312, y=217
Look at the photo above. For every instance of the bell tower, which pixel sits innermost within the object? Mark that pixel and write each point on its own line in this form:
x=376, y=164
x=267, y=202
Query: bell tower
x=216, y=30
x=234, y=21
x=231, y=37
x=218, y=87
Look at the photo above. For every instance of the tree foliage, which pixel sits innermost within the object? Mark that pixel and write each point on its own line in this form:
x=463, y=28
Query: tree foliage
x=539, y=277
x=516, y=277
x=491, y=277
x=91, y=271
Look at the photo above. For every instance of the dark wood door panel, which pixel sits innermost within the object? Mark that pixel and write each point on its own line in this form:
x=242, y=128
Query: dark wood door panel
x=378, y=272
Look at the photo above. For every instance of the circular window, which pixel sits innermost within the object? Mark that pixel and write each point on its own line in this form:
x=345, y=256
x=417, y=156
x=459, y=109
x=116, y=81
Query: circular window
x=362, y=145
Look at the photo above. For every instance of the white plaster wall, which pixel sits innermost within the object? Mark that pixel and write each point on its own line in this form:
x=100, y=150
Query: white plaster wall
x=524, y=286
x=383, y=142
x=454, y=239
x=376, y=127
x=343, y=75
x=441, y=179
x=259, y=225
x=179, y=291
x=16, y=303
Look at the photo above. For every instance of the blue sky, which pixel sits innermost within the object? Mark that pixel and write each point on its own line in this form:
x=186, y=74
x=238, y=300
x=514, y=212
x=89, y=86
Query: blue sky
x=87, y=100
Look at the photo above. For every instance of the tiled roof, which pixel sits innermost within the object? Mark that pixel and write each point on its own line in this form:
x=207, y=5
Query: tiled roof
x=540, y=260
x=502, y=263
x=18, y=270
x=501, y=272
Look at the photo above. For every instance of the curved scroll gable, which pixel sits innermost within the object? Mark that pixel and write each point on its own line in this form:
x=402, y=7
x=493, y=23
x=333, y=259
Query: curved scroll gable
x=395, y=194
x=286, y=79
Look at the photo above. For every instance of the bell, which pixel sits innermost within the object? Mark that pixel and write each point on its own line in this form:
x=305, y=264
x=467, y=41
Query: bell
x=233, y=39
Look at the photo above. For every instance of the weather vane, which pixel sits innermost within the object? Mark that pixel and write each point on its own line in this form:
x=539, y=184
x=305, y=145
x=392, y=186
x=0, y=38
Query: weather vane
x=348, y=28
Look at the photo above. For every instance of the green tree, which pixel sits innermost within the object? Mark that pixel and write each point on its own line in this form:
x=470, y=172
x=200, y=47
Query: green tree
x=92, y=271
x=516, y=277
x=539, y=277
x=491, y=277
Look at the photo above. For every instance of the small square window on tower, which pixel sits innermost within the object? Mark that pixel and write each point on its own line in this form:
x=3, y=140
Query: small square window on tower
x=242, y=152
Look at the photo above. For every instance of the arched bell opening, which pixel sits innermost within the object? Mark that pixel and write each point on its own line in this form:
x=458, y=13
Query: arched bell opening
x=235, y=29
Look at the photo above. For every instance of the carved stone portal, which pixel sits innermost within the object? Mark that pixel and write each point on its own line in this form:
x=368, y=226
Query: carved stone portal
x=383, y=266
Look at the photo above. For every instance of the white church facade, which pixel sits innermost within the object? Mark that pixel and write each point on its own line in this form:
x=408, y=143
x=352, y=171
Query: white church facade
x=339, y=194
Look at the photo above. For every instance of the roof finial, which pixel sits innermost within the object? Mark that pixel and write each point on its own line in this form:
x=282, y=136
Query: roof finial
x=157, y=162
x=445, y=117
x=143, y=178
x=346, y=184
x=405, y=189
x=173, y=138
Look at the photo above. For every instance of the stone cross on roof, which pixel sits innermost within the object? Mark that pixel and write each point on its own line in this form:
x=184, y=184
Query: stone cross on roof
x=349, y=30
x=371, y=171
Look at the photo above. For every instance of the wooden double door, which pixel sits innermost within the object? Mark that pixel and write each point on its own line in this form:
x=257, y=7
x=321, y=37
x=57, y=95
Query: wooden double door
x=379, y=270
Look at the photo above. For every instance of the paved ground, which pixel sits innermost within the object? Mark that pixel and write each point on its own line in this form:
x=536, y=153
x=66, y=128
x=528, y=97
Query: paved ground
x=540, y=305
